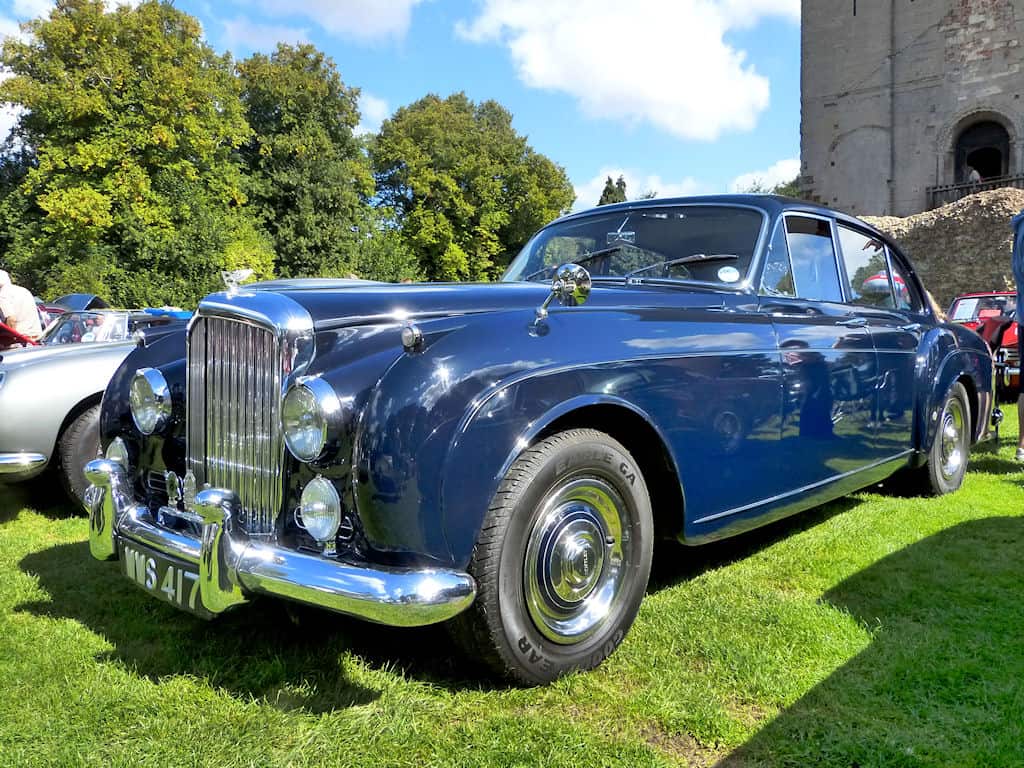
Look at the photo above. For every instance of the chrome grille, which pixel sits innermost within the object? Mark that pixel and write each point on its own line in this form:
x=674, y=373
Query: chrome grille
x=234, y=398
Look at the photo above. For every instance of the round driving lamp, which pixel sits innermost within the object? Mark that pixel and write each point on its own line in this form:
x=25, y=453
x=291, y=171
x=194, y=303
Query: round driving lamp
x=150, y=400
x=320, y=510
x=309, y=414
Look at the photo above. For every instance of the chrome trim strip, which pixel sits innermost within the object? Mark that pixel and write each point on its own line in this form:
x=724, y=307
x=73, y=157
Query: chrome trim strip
x=804, y=489
x=232, y=566
x=16, y=463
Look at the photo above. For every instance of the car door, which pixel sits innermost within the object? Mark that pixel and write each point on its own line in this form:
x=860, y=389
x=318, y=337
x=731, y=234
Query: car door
x=881, y=288
x=828, y=360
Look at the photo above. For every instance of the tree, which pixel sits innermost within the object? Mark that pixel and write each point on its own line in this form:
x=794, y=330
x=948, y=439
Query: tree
x=466, y=191
x=789, y=188
x=786, y=188
x=309, y=178
x=613, y=193
x=132, y=189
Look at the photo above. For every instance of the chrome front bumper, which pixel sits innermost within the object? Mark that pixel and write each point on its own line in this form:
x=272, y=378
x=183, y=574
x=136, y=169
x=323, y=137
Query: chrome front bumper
x=232, y=567
x=24, y=465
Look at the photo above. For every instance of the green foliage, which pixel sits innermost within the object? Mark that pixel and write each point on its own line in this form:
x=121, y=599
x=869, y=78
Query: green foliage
x=786, y=189
x=466, y=190
x=613, y=192
x=309, y=178
x=132, y=189
x=789, y=188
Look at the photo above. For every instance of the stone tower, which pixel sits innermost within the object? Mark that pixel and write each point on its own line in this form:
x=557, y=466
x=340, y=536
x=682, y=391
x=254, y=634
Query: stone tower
x=901, y=99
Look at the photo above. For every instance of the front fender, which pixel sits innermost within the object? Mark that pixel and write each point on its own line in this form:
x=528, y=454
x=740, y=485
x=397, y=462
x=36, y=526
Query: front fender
x=501, y=426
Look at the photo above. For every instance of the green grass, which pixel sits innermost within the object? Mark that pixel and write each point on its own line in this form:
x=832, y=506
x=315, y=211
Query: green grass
x=876, y=631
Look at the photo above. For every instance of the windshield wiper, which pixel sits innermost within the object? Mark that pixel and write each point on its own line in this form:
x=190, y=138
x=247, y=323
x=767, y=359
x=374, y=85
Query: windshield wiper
x=695, y=258
x=580, y=262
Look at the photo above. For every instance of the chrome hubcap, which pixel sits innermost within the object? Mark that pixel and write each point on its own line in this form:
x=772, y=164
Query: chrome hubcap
x=952, y=438
x=575, y=560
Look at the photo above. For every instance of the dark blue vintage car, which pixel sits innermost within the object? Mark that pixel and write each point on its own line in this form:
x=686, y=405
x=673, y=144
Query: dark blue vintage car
x=503, y=456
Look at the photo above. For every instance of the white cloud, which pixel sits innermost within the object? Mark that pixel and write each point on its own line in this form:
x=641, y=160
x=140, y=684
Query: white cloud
x=589, y=192
x=780, y=173
x=372, y=112
x=364, y=20
x=647, y=61
x=243, y=36
x=30, y=9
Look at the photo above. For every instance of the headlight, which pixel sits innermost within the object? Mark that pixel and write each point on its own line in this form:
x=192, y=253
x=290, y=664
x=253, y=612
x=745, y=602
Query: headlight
x=320, y=510
x=150, y=400
x=309, y=416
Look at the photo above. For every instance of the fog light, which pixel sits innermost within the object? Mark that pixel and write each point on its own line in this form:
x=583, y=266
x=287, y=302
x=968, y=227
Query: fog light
x=118, y=451
x=320, y=510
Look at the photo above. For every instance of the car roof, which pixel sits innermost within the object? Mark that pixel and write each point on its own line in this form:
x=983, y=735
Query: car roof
x=773, y=205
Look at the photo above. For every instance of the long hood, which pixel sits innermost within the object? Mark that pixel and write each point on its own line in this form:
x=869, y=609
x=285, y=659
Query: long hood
x=364, y=303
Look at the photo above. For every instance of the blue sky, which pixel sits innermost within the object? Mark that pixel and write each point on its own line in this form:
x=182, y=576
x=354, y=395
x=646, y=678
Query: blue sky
x=681, y=96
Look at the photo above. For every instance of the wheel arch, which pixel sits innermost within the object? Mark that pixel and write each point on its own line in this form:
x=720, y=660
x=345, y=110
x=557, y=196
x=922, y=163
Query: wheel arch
x=634, y=429
x=73, y=413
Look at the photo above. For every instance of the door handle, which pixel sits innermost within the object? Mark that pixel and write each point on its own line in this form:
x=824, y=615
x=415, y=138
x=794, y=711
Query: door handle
x=911, y=327
x=854, y=322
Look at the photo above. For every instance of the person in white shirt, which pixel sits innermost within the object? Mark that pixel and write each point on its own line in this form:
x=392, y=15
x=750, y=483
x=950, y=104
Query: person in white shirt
x=18, y=308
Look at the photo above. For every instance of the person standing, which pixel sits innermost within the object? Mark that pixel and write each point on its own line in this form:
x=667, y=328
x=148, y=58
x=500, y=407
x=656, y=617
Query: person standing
x=1018, y=277
x=18, y=308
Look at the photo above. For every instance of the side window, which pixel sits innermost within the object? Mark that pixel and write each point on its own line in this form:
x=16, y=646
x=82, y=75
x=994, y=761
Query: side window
x=814, y=259
x=906, y=294
x=866, y=269
x=777, y=278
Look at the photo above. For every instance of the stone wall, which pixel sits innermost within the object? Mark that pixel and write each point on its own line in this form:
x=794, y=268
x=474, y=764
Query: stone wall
x=961, y=247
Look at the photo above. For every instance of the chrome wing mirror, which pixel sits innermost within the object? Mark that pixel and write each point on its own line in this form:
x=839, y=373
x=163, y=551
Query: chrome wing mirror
x=571, y=286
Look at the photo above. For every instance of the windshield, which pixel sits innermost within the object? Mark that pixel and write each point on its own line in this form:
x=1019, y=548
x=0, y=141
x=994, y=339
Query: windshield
x=980, y=307
x=711, y=244
x=76, y=327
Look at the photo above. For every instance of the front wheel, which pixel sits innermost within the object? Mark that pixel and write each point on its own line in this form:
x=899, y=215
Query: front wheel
x=562, y=559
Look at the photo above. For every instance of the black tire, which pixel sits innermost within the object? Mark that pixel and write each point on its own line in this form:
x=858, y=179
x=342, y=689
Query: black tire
x=559, y=498
x=78, y=445
x=947, y=459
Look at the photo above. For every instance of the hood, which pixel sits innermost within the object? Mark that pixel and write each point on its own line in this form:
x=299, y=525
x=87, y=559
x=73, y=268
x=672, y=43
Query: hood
x=365, y=303
x=15, y=358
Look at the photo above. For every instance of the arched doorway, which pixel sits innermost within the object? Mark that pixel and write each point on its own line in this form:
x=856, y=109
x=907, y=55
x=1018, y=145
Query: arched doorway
x=984, y=146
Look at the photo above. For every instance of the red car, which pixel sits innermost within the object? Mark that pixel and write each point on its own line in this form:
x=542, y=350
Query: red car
x=993, y=314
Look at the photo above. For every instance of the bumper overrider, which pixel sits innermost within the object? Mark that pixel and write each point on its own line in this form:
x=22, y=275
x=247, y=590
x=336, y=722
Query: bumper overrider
x=232, y=567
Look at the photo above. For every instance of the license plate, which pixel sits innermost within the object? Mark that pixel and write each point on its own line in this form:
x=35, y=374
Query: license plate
x=166, y=578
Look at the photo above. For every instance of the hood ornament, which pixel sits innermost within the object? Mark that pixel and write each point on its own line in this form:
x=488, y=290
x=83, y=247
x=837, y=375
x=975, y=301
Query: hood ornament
x=233, y=278
x=571, y=286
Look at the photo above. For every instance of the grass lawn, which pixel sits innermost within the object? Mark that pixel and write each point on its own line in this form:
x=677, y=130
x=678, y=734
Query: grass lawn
x=876, y=631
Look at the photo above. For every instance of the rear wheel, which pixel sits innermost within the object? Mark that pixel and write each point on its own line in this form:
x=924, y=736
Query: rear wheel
x=79, y=444
x=947, y=460
x=562, y=560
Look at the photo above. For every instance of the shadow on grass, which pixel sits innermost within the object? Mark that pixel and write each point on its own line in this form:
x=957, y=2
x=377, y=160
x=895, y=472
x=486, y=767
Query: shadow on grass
x=991, y=464
x=942, y=682
x=44, y=494
x=674, y=562
x=290, y=658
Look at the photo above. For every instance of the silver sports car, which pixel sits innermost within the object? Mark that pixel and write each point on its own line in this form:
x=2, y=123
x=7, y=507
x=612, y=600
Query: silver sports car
x=50, y=403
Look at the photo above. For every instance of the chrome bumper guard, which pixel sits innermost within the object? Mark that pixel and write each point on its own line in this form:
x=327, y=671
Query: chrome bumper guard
x=233, y=567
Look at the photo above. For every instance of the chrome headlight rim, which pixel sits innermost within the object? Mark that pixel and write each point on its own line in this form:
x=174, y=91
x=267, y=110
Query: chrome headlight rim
x=154, y=420
x=319, y=512
x=324, y=405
